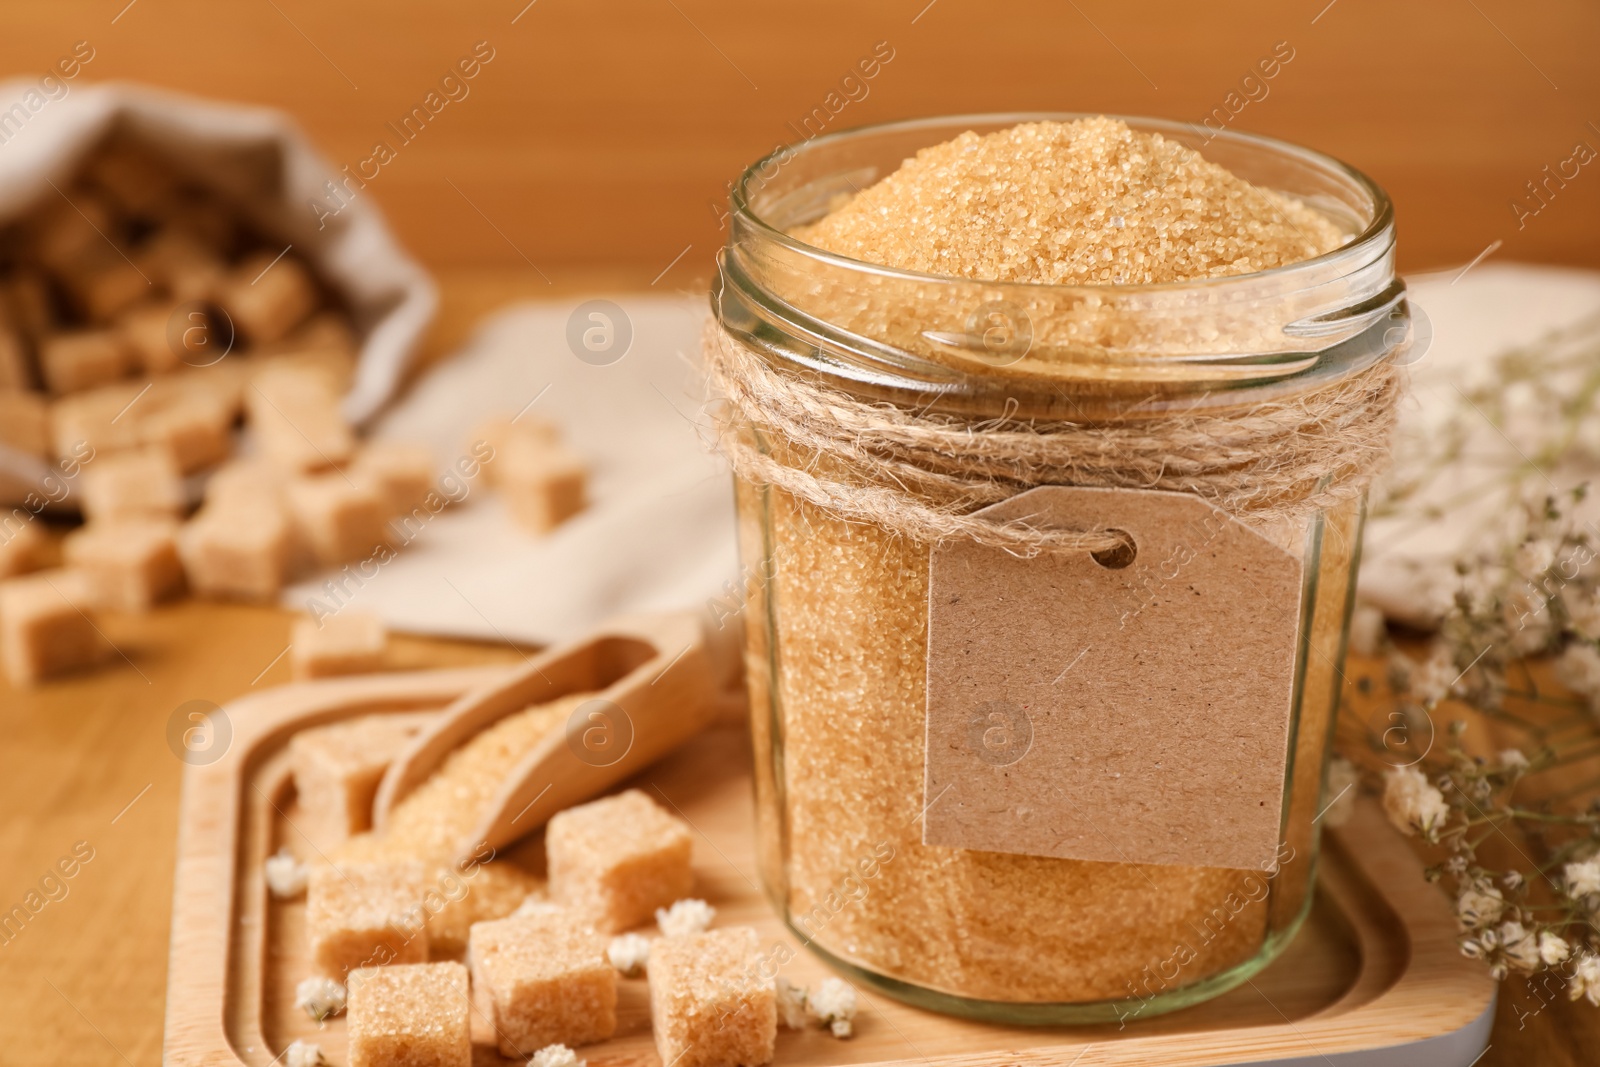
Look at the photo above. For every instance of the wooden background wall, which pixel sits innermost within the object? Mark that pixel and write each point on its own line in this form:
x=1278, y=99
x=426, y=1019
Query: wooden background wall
x=603, y=131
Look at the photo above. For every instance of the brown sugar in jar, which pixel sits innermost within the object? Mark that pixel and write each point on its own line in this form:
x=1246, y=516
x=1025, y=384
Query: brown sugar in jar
x=919, y=321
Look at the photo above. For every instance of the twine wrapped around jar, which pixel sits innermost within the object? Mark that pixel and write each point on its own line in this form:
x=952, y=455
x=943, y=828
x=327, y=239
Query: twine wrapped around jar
x=923, y=475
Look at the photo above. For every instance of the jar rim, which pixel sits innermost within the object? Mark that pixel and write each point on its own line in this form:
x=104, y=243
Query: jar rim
x=1379, y=229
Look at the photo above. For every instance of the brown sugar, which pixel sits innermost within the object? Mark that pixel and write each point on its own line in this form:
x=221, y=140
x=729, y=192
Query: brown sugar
x=615, y=860
x=337, y=769
x=710, y=1003
x=840, y=676
x=434, y=820
x=366, y=915
x=410, y=1016
x=1089, y=202
x=547, y=979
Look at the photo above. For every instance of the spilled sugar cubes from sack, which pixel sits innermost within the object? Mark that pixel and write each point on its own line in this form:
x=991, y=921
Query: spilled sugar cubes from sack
x=236, y=553
x=710, y=1004
x=546, y=979
x=140, y=483
x=349, y=642
x=410, y=1016
x=542, y=482
x=129, y=564
x=47, y=627
x=615, y=860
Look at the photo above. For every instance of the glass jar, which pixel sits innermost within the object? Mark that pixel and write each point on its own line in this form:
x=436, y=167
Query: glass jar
x=837, y=615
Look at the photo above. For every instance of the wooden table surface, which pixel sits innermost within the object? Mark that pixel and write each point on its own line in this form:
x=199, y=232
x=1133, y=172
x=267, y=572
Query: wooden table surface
x=87, y=759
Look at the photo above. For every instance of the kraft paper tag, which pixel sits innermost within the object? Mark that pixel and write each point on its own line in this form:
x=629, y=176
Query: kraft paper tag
x=1134, y=714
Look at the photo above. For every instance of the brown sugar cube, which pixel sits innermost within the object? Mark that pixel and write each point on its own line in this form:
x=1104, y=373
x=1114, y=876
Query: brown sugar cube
x=107, y=285
x=615, y=860
x=710, y=1005
x=340, y=519
x=131, y=177
x=97, y=419
x=327, y=334
x=349, y=642
x=547, y=979
x=31, y=305
x=23, y=545
x=202, y=217
x=402, y=472
x=239, y=552
x=69, y=227
x=267, y=298
x=193, y=429
x=182, y=265
x=136, y=482
x=16, y=369
x=145, y=329
x=413, y=1016
x=337, y=769
x=71, y=362
x=495, y=890
x=294, y=412
x=25, y=422
x=366, y=915
x=243, y=482
x=128, y=564
x=499, y=433
x=542, y=485
x=46, y=626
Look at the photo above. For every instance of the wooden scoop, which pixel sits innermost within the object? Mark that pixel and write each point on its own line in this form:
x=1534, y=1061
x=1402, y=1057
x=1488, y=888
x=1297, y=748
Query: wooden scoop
x=657, y=681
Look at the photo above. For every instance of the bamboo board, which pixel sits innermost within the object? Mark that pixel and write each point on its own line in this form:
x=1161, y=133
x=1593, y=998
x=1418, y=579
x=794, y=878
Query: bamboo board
x=1373, y=978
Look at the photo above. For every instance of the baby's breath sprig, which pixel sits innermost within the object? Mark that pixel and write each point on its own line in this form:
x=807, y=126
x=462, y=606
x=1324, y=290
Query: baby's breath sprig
x=1538, y=596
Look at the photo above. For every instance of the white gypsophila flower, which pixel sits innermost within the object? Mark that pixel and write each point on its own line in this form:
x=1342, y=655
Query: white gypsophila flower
x=1518, y=946
x=629, y=954
x=791, y=1004
x=1583, y=878
x=1339, y=795
x=1579, y=669
x=687, y=916
x=1553, y=949
x=1585, y=980
x=286, y=876
x=1431, y=679
x=1471, y=949
x=534, y=904
x=1528, y=619
x=320, y=998
x=1366, y=630
x=1412, y=803
x=1583, y=609
x=1513, y=759
x=1479, y=907
x=556, y=1056
x=833, y=1004
x=1511, y=879
x=1534, y=556
x=303, y=1054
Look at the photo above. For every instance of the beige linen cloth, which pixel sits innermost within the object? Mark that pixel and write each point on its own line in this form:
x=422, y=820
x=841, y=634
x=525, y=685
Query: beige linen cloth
x=659, y=534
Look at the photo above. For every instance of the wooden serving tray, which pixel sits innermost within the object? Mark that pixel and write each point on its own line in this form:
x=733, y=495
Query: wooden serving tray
x=1373, y=978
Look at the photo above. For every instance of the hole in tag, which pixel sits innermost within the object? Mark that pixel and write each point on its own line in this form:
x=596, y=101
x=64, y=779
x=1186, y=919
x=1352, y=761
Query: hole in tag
x=1119, y=556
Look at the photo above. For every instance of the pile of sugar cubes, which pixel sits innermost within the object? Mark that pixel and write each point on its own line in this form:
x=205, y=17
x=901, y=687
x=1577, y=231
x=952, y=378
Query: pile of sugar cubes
x=544, y=975
x=142, y=318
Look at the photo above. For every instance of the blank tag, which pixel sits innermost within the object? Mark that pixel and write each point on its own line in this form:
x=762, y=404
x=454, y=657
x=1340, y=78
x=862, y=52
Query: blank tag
x=1133, y=712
